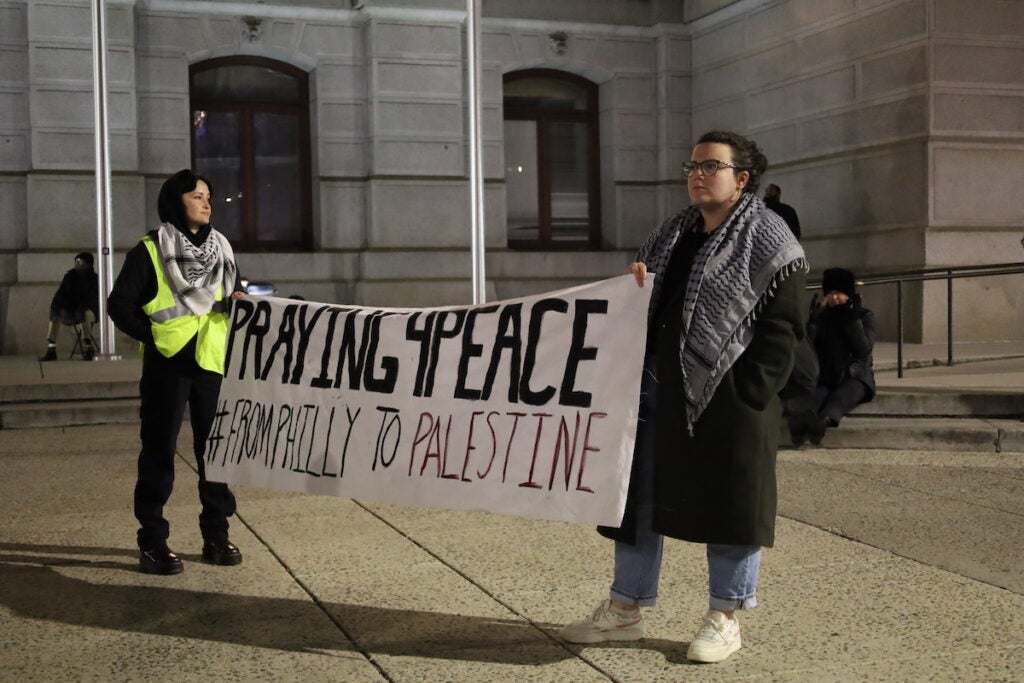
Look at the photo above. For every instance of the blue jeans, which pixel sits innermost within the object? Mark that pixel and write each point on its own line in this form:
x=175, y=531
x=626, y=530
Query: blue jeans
x=732, y=569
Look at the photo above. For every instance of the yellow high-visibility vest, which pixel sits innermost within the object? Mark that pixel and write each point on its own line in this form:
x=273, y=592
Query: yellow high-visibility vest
x=173, y=324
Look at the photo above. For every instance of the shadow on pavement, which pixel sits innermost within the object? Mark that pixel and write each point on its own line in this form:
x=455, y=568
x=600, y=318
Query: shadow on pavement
x=32, y=587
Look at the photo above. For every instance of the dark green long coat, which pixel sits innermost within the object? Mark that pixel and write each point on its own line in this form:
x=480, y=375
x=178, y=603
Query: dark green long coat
x=718, y=486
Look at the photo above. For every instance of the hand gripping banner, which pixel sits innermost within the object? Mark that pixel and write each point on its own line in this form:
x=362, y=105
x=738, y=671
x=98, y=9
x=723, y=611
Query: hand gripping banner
x=523, y=407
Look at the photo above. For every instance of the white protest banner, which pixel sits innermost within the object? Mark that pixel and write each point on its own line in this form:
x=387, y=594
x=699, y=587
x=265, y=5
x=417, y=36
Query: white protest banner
x=523, y=407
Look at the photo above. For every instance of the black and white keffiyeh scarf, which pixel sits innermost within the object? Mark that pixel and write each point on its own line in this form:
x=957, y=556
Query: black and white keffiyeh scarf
x=196, y=272
x=735, y=274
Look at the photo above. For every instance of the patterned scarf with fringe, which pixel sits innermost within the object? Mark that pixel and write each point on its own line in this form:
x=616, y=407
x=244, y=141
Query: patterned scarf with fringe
x=196, y=272
x=735, y=274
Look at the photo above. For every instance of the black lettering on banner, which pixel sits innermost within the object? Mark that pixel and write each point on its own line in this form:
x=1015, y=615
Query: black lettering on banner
x=587, y=448
x=469, y=444
x=327, y=447
x=348, y=436
x=243, y=310
x=509, y=337
x=389, y=364
x=305, y=333
x=530, y=483
x=469, y=351
x=508, y=448
x=323, y=381
x=568, y=396
x=347, y=352
x=284, y=419
x=528, y=396
x=312, y=437
x=382, y=437
x=286, y=338
x=213, y=442
x=441, y=333
x=255, y=331
x=562, y=446
x=413, y=333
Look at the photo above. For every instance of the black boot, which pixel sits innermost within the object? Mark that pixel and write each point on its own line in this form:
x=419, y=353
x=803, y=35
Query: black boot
x=221, y=552
x=159, y=561
x=51, y=352
x=88, y=353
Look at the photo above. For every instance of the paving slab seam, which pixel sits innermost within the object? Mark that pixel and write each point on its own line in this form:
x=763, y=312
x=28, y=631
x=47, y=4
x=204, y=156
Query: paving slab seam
x=312, y=596
x=488, y=593
x=841, y=534
x=861, y=475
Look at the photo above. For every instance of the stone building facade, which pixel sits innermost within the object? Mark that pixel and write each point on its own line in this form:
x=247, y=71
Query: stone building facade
x=893, y=126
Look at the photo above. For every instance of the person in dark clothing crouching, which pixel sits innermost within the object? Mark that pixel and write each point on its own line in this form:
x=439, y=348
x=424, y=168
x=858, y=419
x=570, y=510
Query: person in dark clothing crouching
x=172, y=295
x=843, y=333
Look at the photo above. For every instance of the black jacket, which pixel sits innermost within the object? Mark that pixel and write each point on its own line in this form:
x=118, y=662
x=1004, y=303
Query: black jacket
x=844, y=337
x=787, y=213
x=78, y=292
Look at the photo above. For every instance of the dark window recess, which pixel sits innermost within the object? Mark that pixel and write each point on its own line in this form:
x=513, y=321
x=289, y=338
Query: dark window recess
x=552, y=170
x=250, y=137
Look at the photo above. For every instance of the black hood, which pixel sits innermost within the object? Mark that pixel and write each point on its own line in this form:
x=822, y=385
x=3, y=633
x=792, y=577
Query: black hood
x=169, y=205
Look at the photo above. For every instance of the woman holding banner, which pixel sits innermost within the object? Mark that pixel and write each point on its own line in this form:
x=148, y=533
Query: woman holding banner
x=725, y=315
x=170, y=295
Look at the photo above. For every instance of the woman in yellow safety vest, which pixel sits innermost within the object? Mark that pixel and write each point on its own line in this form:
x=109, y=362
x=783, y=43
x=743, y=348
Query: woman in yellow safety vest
x=170, y=295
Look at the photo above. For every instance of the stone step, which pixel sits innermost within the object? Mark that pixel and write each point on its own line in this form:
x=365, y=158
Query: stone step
x=68, y=413
x=68, y=391
x=924, y=434
x=890, y=402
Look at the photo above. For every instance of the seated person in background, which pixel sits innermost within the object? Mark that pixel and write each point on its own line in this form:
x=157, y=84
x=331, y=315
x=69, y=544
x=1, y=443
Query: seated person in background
x=75, y=304
x=843, y=333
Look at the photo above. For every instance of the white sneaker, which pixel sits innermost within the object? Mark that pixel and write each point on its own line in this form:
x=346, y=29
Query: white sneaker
x=718, y=637
x=605, y=624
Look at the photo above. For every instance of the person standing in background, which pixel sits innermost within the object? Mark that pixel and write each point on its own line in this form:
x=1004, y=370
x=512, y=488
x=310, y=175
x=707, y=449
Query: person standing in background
x=773, y=200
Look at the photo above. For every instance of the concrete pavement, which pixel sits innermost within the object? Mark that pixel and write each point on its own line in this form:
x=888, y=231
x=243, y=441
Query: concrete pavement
x=882, y=571
x=888, y=566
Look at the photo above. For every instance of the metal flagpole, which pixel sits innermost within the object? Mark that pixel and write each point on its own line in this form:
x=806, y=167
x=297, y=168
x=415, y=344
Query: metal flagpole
x=104, y=238
x=476, y=181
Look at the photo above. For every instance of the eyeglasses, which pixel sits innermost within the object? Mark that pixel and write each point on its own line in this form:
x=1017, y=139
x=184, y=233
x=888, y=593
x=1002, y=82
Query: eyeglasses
x=708, y=167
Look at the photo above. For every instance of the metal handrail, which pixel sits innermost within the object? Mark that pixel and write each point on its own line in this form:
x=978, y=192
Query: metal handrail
x=922, y=275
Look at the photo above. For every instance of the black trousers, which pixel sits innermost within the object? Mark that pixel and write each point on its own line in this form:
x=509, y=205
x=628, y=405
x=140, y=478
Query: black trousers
x=167, y=385
x=834, y=403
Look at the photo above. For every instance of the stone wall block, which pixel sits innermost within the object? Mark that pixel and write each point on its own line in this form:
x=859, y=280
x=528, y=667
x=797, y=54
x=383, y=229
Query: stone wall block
x=341, y=80
x=498, y=47
x=62, y=210
x=636, y=215
x=161, y=73
x=864, y=126
x=427, y=213
x=282, y=35
x=983, y=17
x=674, y=53
x=416, y=156
x=323, y=41
x=163, y=113
x=977, y=113
x=164, y=153
x=13, y=66
x=894, y=72
x=727, y=115
x=431, y=118
x=777, y=21
x=14, y=208
x=425, y=40
x=628, y=54
x=676, y=91
x=978, y=185
x=13, y=108
x=722, y=42
x=58, y=149
x=341, y=118
x=64, y=63
x=343, y=207
x=14, y=151
x=408, y=77
x=863, y=35
x=978, y=64
x=819, y=93
x=342, y=157
x=778, y=144
x=14, y=23
x=180, y=33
